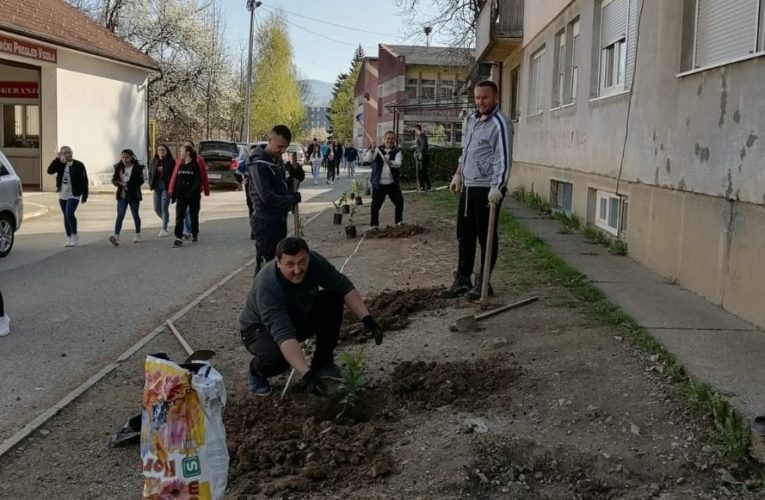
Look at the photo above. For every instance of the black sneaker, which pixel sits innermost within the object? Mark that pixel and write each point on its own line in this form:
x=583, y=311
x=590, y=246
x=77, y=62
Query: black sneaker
x=259, y=385
x=330, y=372
x=195, y=239
x=475, y=292
x=178, y=243
x=460, y=285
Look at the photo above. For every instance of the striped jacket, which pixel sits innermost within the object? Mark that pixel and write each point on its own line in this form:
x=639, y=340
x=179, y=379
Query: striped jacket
x=487, y=154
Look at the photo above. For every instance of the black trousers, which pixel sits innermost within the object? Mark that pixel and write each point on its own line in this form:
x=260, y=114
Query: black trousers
x=2, y=306
x=422, y=172
x=191, y=205
x=392, y=191
x=267, y=234
x=247, y=198
x=331, y=168
x=472, y=223
x=323, y=321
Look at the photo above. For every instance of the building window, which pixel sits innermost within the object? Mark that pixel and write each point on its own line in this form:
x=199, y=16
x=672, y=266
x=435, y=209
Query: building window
x=515, y=93
x=561, y=194
x=411, y=88
x=721, y=31
x=609, y=212
x=446, y=89
x=536, y=82
x=559, y=69
x=615, y=37
x=573, y=33
x=21, y=126
x=428, y=89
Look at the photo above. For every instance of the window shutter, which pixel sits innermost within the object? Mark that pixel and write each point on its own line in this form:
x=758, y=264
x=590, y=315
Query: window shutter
x=725, y=29
x=632, y=40
x=613, y=22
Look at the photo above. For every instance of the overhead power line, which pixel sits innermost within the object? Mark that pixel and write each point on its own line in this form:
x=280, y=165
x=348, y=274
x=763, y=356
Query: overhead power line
x=320, y=35
x=350, y=28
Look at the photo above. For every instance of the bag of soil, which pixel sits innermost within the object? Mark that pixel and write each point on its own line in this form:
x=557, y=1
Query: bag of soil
x=183, y=440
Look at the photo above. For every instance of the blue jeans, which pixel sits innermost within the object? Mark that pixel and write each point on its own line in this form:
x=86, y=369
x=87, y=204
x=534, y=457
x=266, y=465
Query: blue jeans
x=70, y=221
x=162, y=203
x=122, y=206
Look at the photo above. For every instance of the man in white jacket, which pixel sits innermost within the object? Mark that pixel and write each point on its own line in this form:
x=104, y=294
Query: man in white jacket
x=386, y=167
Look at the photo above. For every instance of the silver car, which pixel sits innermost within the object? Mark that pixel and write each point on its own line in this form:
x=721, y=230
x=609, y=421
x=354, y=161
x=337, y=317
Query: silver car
x=11, y=205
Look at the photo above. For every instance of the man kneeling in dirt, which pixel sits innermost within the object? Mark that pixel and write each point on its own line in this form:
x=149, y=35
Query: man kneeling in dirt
x=285, y=307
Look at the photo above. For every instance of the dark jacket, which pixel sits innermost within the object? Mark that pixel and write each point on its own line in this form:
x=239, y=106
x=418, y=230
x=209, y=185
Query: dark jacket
x=187, y=180
x=268, y=186
x=133, y=189
x=275, y=303
x=168, y=164
x=377, y=168
x=421, y=144
x=77, y=174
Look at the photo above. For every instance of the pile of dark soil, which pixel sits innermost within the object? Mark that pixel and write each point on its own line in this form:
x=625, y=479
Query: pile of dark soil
x=391, y=309
x=298, y=445
x=398, y=231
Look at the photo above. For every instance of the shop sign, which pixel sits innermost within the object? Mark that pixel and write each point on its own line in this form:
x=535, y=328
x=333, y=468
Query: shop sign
x=26, y=49
x=19, y=90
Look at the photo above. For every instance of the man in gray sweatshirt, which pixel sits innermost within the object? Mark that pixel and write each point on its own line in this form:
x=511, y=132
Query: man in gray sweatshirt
x=286, y=306
x=481, y=179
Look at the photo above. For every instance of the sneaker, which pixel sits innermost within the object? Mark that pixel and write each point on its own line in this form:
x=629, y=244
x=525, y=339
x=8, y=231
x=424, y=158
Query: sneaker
x=186, y=236
x=475, y=292
x=75, y=240
x=330, y=372
x=137, y=238
x=5, y=325
x=460, y=285
x=400, y=223
x=69, y=242
x=163, y=234
x=195, y=239
x=115, y=240
x=258, y=385
x=372, y=229
x=177, y=243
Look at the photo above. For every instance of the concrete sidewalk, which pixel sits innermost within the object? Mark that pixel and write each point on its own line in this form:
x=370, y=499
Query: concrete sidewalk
x=713, y=345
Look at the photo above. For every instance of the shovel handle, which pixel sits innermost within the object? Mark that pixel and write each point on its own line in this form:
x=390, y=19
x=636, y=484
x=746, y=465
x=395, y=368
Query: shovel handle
x=507, y=307
x=296, y=211
x=487, y=258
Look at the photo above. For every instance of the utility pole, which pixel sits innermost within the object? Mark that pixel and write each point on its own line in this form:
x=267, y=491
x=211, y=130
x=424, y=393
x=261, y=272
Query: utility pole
x=251, y=6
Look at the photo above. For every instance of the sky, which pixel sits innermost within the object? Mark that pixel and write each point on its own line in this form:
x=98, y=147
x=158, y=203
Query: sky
x=321, y=51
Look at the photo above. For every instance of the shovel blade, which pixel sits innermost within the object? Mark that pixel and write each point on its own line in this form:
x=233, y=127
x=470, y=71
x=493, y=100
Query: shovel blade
x=466, y=324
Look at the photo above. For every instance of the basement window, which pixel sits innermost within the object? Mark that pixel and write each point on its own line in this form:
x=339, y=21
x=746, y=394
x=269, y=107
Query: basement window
x=610, y=211
x=560, y=196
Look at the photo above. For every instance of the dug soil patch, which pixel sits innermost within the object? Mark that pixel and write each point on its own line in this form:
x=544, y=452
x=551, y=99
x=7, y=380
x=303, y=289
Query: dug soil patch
x=392, y=309
x=299, y=446
x=397, y=231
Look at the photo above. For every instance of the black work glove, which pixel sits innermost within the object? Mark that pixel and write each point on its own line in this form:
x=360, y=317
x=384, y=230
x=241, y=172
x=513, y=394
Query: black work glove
x=374, y=328
x=296, y=172
x=314, y=384
x=298, y=197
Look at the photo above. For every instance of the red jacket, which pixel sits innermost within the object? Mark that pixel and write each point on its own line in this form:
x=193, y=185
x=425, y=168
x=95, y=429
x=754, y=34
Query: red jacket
x=204, y=186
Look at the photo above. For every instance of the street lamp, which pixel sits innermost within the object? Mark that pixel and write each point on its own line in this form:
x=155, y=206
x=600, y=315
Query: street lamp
x=428, y=30
x=251, y=6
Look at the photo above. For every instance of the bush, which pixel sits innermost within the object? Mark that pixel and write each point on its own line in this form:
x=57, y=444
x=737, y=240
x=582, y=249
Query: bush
x=443, y=164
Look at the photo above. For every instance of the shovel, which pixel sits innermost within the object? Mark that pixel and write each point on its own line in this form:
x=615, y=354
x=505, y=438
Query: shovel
x=296, y=211
x=484, y=303
x=469, y=323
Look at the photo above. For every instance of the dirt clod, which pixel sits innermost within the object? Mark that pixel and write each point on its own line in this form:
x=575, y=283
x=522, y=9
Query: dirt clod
x=397, y=231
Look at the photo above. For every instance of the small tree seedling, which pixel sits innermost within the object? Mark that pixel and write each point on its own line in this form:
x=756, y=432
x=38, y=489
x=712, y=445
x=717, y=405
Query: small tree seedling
x=353, y=382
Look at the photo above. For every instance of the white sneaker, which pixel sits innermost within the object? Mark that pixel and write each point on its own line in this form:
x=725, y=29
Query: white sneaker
x=5, y=325
x=400, y=223
x=163, y=234
x=115, y=240
x=137, y=238
x=75, y=240
x=373, y=228
x=69, y=242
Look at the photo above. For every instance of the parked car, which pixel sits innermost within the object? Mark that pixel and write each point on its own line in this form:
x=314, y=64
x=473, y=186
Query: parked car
x=222, y=159
x=295, y=147
x=11, y=205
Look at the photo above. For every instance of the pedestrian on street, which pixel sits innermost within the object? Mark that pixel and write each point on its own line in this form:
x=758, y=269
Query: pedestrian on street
x=186, y=187
x=5, y=319
x=160, y=172
x=351, y=156
x=333, y=161
x=128, y=177
x=314, y=146
x=386, y=168
x=205, y=186
x=421, y=156
x=246, y=185
x=72, y=188
x=325, y=153
x=481, y=179
x=316, y=160
x=285, y=307
x=270, y=193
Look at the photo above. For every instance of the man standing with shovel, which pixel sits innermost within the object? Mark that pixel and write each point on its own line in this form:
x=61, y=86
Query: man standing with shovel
x=481, y=180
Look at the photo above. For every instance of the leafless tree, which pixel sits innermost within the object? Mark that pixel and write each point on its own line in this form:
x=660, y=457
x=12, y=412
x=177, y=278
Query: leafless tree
x=454, y=21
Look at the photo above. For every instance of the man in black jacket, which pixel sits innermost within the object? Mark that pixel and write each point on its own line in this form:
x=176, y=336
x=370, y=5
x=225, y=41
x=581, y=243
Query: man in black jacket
x=270, y=193
x=285, y=307
x=421, y=153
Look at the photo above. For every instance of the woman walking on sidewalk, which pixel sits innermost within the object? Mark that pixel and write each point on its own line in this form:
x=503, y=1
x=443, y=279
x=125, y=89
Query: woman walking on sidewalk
x=316, y=160
x=72, y=187
x=186, y=187
x=128, y=178
x=5, y=320
x=160, y=172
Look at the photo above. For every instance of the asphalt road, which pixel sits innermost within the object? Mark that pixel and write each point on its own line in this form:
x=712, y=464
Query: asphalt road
x=75, y=310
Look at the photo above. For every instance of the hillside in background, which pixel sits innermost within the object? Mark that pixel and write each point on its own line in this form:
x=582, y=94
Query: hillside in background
x=320, y=93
